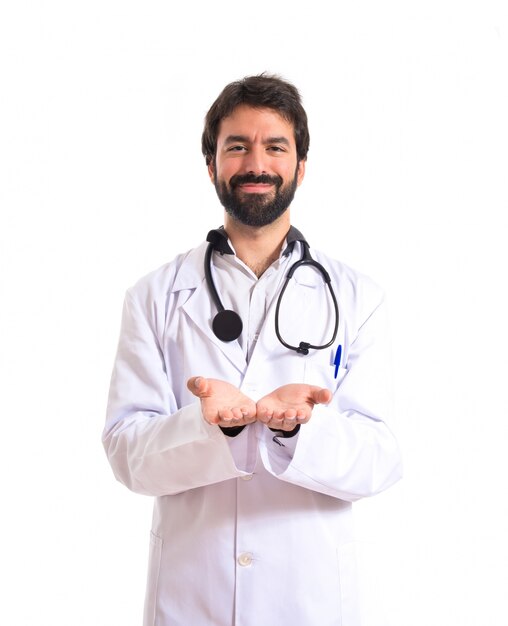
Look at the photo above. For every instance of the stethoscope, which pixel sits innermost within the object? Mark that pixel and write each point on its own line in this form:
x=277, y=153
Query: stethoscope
x=227, y=325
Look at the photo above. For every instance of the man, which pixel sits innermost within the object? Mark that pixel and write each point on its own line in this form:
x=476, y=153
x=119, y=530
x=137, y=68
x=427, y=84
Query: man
x=255, y=440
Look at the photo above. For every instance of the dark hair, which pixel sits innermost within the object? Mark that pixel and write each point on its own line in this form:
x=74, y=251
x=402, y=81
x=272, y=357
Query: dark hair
x=262, y=91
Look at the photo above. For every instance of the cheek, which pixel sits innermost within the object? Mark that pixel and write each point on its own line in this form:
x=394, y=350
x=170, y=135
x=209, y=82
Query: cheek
x=288, y=174
x=225, y=171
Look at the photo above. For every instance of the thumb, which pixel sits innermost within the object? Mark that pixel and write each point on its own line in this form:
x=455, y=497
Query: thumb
x=321, y=395
x=197, y=385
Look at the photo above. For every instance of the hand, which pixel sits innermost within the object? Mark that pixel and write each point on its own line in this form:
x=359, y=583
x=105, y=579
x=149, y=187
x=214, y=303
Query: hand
x=222, y=403
x=290, y=405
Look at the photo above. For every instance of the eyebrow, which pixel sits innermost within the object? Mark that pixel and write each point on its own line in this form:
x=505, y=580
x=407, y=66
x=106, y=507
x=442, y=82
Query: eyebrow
x=244, y=139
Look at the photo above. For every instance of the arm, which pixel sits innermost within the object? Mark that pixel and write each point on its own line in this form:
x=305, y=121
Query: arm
x=154, y=446
x=347, y=449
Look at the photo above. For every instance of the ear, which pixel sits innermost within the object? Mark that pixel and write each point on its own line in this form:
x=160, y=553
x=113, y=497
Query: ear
x=301, y=171
x=211, y=170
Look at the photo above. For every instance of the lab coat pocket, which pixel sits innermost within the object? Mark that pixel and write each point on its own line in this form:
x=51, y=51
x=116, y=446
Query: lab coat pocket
x=324, y=375
x=348, y=585
x=154, y=563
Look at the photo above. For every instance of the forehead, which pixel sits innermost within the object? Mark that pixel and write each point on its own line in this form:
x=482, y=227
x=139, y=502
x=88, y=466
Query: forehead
x=254, y=122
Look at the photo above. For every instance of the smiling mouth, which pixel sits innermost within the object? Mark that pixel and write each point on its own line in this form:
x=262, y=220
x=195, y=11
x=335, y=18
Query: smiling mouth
x=255, y=187
x=250, y=183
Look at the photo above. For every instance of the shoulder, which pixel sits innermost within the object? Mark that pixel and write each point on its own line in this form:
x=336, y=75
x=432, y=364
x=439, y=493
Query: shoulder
x=348, y=281
x=358, y=295
x=185, y=271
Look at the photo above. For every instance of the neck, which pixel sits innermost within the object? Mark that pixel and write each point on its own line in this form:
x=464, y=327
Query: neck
x=258, y=247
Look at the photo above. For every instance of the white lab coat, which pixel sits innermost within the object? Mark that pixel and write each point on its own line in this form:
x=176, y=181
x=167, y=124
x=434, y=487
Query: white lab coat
x=247, y=532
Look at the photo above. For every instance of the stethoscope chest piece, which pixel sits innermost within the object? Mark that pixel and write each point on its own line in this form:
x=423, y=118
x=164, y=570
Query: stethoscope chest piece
x=227, y=325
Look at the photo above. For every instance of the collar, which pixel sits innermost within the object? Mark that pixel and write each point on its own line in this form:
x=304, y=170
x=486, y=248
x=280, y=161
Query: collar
x=219, y=239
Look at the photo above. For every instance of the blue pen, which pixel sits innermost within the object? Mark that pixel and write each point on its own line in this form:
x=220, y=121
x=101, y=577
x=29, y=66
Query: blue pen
x=336, y=361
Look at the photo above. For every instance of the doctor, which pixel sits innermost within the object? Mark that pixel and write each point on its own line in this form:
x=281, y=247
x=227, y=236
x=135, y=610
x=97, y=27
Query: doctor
x=253, y=449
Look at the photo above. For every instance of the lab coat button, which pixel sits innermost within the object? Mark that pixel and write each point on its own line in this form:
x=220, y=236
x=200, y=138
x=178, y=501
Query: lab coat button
x=246, y=477
x=245, y=559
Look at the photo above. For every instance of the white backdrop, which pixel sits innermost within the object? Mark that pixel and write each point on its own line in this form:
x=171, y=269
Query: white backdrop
x=102, y=180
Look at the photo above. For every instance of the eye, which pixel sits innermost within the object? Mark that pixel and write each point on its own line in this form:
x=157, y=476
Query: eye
x=236, y=148
x=276, y=149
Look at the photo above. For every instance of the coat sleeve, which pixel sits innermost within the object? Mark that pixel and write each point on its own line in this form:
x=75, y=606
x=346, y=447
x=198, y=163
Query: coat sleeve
x=154, y=446
x=347, y=450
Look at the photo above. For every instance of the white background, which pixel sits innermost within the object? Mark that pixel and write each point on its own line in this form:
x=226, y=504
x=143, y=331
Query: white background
x=102, y=180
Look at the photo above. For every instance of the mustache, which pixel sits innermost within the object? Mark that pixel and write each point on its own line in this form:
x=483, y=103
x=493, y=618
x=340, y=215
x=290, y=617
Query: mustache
x=266, y=179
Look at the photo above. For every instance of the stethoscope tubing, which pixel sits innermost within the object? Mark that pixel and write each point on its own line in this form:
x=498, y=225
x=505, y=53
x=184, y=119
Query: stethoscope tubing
x=209, y=279
x=304, y=346
x=227, y=324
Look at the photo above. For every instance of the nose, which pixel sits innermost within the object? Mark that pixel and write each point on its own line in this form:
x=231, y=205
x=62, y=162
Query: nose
x=255, y=161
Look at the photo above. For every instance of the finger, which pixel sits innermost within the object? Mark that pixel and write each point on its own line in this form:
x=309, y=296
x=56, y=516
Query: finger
x=326, y=396
x=276, y=423
x=263, y=414
x=279, y=415
x=248, y=412
x=301, y=416
x=226, y=415
x=237, y=413
x=197, y=385
x=289, y=423
x=320, y=395
x=251, y=409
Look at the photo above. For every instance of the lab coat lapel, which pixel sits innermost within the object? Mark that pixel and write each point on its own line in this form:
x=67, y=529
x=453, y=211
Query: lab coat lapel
x=201, y=310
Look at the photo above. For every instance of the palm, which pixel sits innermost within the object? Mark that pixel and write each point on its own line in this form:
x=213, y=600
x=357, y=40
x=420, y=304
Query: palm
x=222, y=403
x=293, y=402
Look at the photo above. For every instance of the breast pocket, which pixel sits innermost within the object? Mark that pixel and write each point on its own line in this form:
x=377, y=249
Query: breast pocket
x=321, y=375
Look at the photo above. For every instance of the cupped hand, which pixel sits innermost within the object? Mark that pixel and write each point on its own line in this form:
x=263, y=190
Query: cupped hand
x=290, y=405
x=222, y=403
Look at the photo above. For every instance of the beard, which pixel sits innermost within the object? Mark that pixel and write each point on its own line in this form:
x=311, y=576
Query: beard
x=256, y=209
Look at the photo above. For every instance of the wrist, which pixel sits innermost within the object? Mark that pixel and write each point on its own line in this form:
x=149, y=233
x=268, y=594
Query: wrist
x=286, y=434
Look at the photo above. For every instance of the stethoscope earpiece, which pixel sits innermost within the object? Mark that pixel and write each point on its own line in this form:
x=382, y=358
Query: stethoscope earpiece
x=227, y=325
